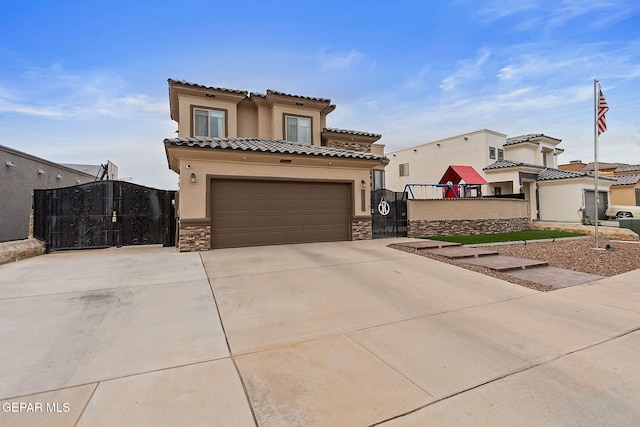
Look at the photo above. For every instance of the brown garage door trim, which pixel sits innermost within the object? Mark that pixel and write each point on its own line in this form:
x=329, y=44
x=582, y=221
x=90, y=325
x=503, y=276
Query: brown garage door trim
x=349, y=195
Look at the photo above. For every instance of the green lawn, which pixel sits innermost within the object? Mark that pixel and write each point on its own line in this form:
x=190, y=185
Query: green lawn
x=504, y=237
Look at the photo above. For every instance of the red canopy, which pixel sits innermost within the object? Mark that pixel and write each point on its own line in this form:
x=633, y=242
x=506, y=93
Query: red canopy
x=468, y=174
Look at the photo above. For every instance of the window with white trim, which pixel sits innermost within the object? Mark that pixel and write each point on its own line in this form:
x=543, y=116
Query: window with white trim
x=404, y=169
x=298, y=129
x=208, y=123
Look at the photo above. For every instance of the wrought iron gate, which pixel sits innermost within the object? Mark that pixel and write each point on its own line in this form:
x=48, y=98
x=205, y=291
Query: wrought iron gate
x=388, y=214
x=102, y=214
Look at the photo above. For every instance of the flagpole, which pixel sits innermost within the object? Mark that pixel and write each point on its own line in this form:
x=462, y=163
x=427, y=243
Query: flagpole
x=595, y=152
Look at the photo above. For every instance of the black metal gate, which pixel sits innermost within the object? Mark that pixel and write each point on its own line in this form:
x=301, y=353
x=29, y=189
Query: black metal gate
x=388, y=214
x=103, y=214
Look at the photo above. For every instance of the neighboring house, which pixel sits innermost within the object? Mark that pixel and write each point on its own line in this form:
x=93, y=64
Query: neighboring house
x=525, y=165
x=626, y=189
x=426, y=163
x=20, y=174
x=258, y=169
x=604, y=168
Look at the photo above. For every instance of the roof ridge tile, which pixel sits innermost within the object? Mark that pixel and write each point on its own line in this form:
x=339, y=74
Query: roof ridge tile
x=269, y=145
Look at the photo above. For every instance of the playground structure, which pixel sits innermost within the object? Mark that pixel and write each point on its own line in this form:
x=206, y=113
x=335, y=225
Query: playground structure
x=442, y=191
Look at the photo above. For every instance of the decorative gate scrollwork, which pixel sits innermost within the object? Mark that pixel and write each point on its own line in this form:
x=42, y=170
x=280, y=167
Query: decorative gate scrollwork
x=102, y=214
x=388, y=214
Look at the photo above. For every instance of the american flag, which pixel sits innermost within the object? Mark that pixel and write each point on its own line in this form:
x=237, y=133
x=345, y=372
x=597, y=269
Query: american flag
x=602, y=110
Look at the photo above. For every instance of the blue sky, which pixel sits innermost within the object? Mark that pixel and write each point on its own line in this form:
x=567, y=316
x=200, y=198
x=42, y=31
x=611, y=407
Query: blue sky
x=86, y=81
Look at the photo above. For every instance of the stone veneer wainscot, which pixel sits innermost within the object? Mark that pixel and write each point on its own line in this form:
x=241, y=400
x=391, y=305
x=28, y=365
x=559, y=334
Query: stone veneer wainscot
x=361, y=229
x=194, y=237
x=461, y=227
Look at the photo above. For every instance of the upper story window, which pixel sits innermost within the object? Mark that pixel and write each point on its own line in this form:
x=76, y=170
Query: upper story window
x=378, y=179
x=404, y=169
x=500, y=154
x=298, y=129
x=208, y=123
x=492, y=152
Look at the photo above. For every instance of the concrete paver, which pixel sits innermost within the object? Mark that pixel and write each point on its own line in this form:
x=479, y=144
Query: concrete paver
x=254, y=260
x=282, y=307
x=619, y=291
x=462, y=252
x=556, y=277
x=580, y=389
x=327, y=382
x=542, y=327
x=349, y=333
x=421, y=349
x=196, y=395
x=86, y=270
x=504, y=263
x=105, y=334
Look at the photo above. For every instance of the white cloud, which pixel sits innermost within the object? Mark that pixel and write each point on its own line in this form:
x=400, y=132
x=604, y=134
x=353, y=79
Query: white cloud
x=29, y=110
x=526, y=15
x=494, y=10
x=466, y=71
x=59, y=94
x=417, y=81
x=340, y=60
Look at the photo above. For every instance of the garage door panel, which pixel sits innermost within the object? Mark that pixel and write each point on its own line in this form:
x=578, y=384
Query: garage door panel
x=247, y=213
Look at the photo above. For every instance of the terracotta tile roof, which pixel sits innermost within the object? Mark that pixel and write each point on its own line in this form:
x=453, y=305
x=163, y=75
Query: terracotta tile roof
x=173, y=82
x=627, y=179
x=549, y=174
x=510, y=164
x=351, y=132
x=590, y=167
x=275, y=92
x=628, y=168
x=527, y=138
x=270, y=146
x=545, y=174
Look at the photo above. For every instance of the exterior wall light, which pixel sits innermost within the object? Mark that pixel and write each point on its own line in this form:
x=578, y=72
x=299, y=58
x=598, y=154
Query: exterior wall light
x=58, y=176
x=193, y=178
x=41, y=171
x=10, y=163
x=363, y=183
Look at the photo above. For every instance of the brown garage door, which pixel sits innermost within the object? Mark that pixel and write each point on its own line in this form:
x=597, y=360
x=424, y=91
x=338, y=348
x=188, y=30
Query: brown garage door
x=253, y=213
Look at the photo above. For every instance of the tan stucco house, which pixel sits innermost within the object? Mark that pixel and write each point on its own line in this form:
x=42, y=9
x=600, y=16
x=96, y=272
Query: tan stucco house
x=258, y=169
x=626, y=189
x=525, y=165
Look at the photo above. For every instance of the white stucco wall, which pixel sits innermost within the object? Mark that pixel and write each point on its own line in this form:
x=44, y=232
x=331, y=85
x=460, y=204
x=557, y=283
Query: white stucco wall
x=428, y=162
x=561, y=199
x=525, y=153
x=533, y=152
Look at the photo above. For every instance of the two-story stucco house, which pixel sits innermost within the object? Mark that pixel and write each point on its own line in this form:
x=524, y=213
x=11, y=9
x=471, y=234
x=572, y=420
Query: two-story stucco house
x=526, y=165
x=258, y=169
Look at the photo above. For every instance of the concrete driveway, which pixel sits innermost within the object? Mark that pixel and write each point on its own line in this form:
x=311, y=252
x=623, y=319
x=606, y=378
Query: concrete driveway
x=350, y=333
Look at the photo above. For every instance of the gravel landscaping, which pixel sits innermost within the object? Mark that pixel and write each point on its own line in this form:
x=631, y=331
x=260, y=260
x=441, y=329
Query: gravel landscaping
x=571, y=254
